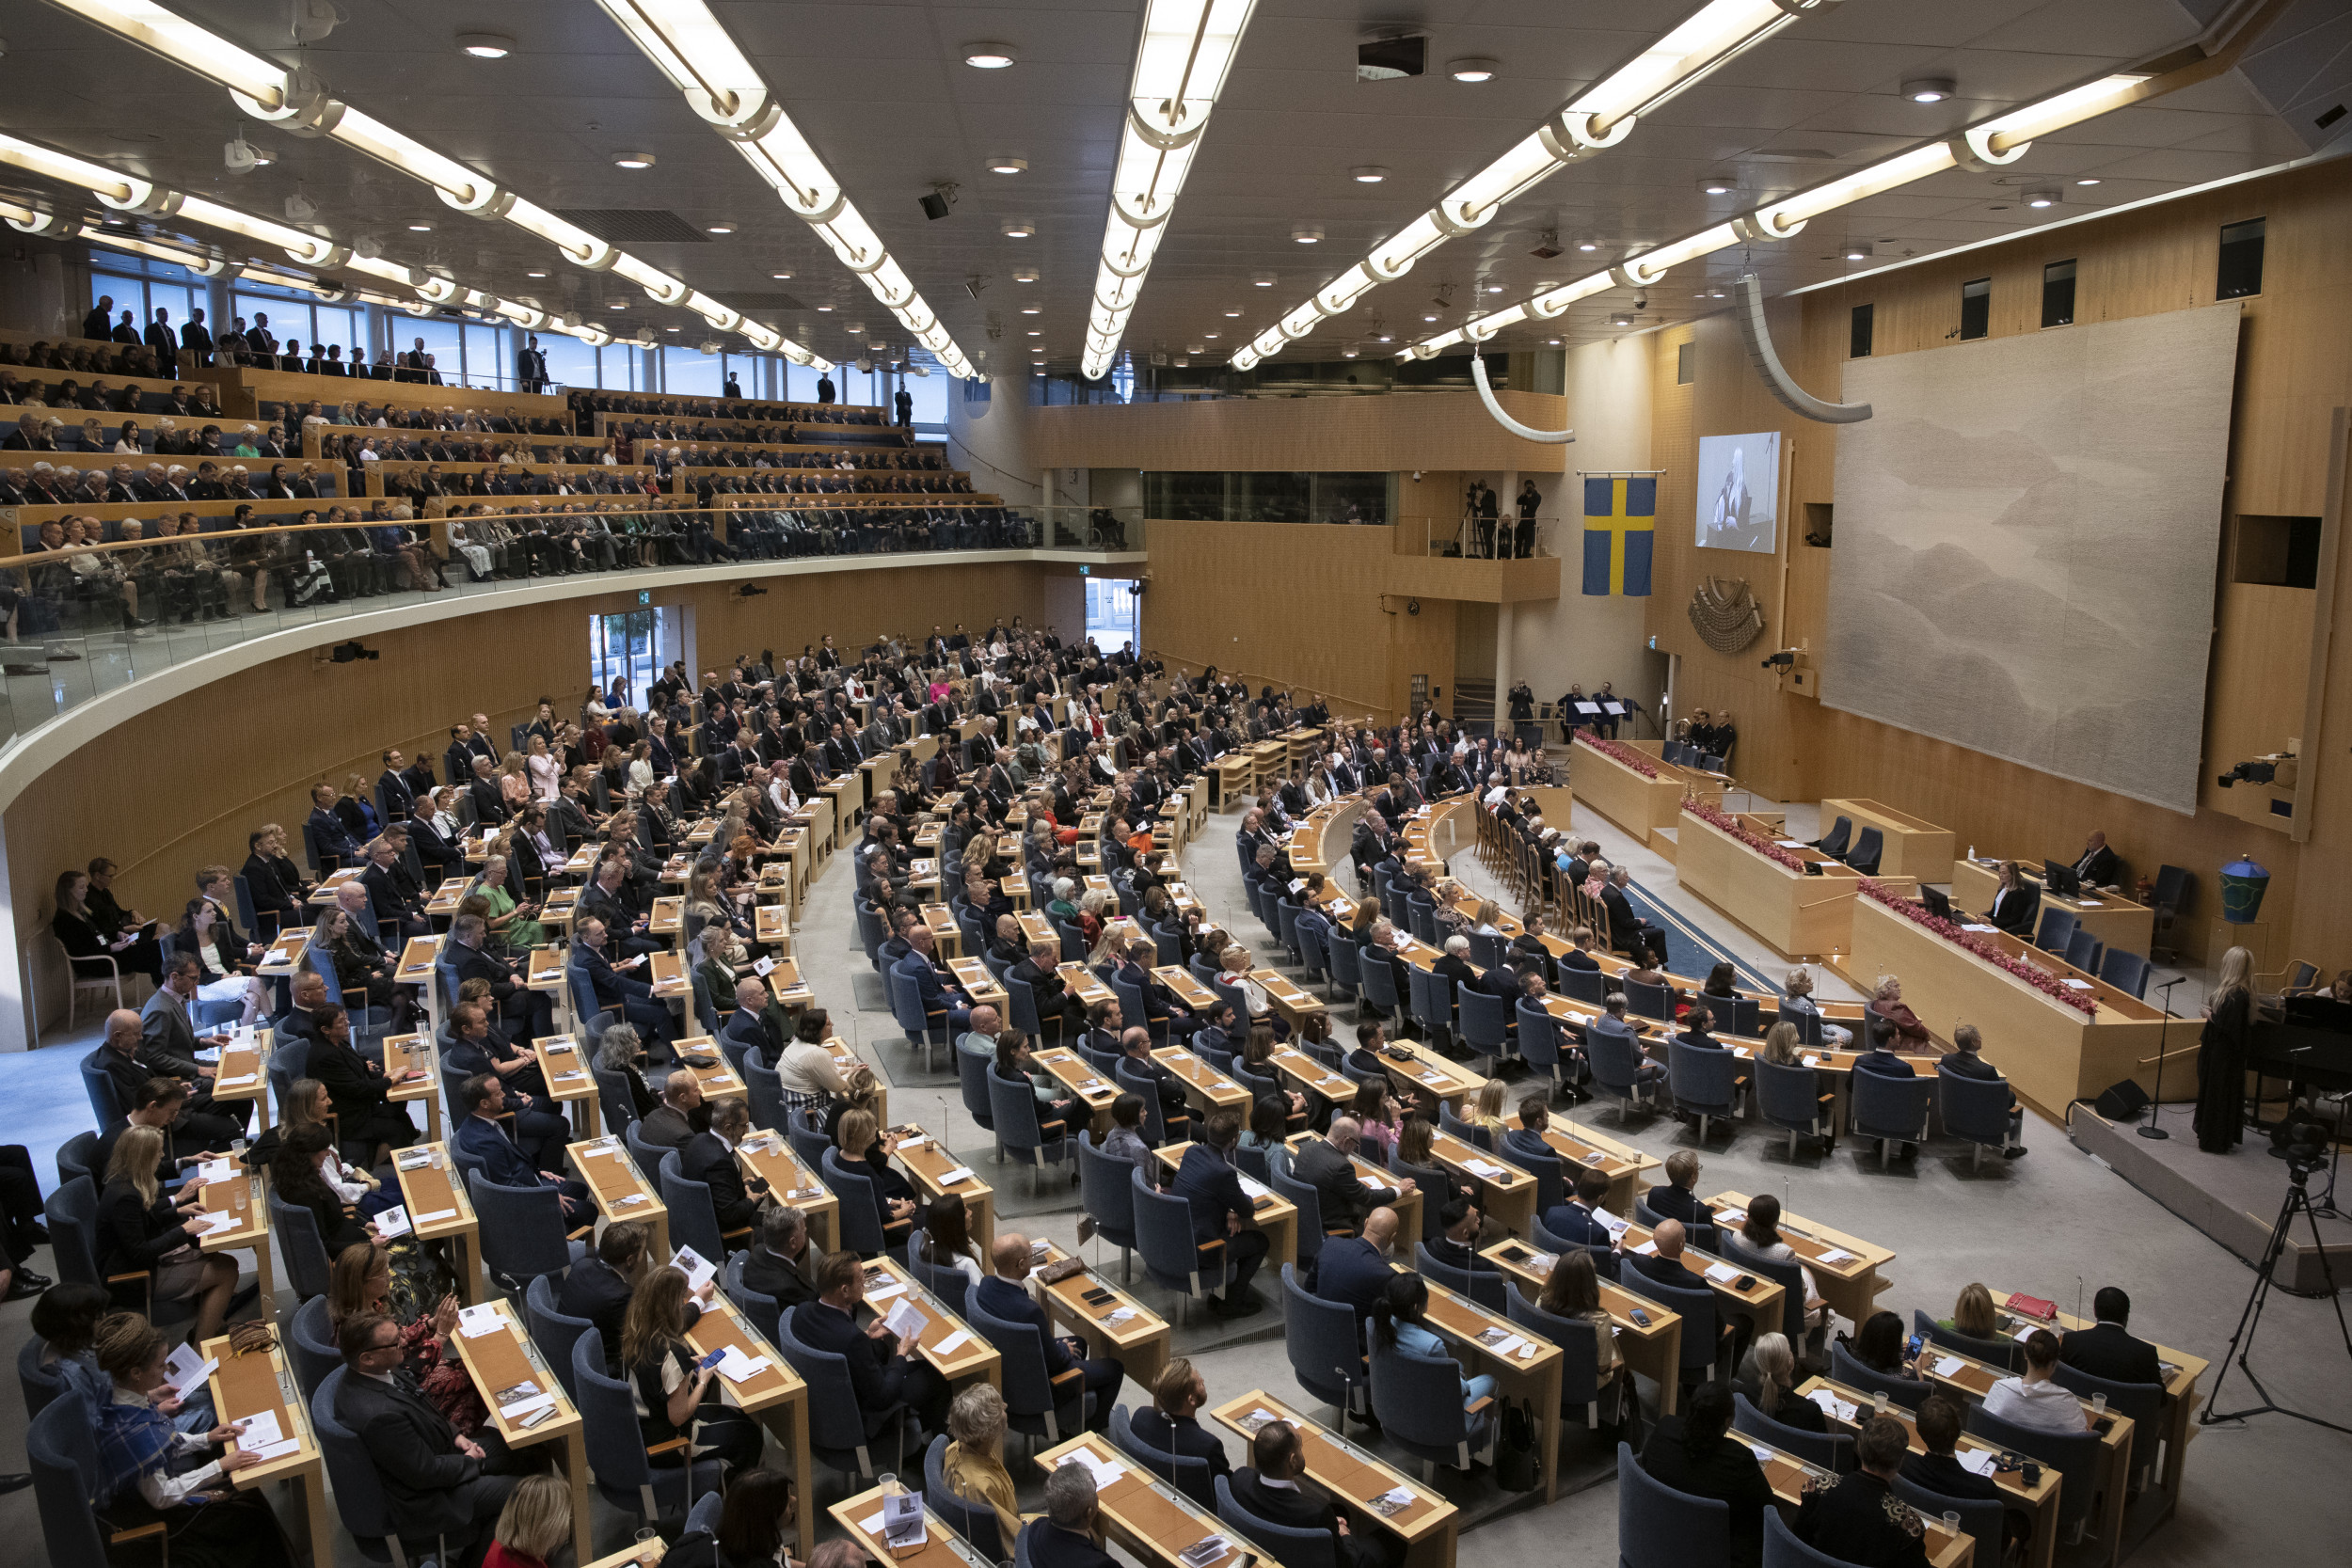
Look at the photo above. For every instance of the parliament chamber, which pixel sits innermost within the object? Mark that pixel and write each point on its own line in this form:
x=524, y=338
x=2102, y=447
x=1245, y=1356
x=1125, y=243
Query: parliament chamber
x=599, y=746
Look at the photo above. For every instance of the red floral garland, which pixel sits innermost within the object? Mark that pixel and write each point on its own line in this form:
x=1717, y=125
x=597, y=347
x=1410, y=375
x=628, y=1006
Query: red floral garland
x=1616, y=752
x=2081, y=1001
x=1722, y=822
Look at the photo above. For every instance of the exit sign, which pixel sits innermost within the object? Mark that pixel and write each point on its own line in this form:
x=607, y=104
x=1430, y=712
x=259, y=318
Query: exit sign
x=645, y=595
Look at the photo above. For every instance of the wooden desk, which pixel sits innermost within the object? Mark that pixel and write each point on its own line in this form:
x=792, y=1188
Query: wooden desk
x=1204, y=1086
x=1429, y=1074
x=1973, y=1380
x=499, y=1359
x=1271, y=1213
x=861, y=1517
x=945, y=933
x=2111, y=917
x=775, y=1393
x=248, y=1386
x=953, y=1358
x=1504, y=1192
x=439, y=1206
x=1185, y=987
x=980, y=984
x=1851, y=1284
x=1653, y=1350
x=771, y=924
x=241, y=1073
x=569, y=1080
x=1913, y=848
x=1084, y=983
x=239, y=1195
x=284, y=957
x=666, y=973
x=1093, y=1090
x=1525, y=1365
x=1353, y=1476
x=720, y=1081
x=1763, y=1303
x=1137, y=1340
x=1144, y=1513
x=406, y=1052
x=1296, y=1005
x=769, y=1156
x=929, y=1167
x=1035, y=928
x=669, y=919
x=1640, y=804
x=443, y=902
x=1583, y=1148
x=1798, y=916
x=620, y=1191
x=1231, y=774
x=1312, y=1077
x=2182, y=1372
x=323, y=895
x=1787, y=1475
x=2038, y=1503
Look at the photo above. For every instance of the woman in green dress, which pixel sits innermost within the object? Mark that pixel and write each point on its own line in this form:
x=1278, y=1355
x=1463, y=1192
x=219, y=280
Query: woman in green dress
x=511, y=924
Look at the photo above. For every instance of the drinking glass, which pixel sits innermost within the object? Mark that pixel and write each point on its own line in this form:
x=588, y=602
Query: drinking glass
x=1952, y=1521
x=1878, y=1402
x=2098, y=1405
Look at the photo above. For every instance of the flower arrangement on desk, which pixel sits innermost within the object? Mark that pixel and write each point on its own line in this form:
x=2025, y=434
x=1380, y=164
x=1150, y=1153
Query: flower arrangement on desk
x=1616, y=752
x=2081, y=1001
x=1723, y=822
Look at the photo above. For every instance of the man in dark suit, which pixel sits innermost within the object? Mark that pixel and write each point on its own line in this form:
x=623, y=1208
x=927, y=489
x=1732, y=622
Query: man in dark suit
x=757, y=1021
x=887, y=1382
x=1171, y=1422
x=1966, y=1061
x=1222, y=1213
x=1678, y=1198
x=117, y=1058
x=2097, y=866
x=1134, y=1049
x=1382, y=950
x=1324, y=1163
x=2108, y=1348
x=358, y=1089
x=607, y=899
x=530, y=1013
x=1457, y=1244
x=1578, y=1219
x=392, y=903
x=1881, y=1057
x=939, y=988
x=1071, y=1535
x=783, y=1263
x=1939, y=1471
x=615, y=986
x=328, y=835
x=709, y=1158
x=438, y=1485
x=166, y=1048
x=1274, y=1487
x=597, y=1287
x=1627, y=930
x=489, y=805
x=485, y=1143
x=474, y=1047
x=1354, y=1269
x=397, y=796
x=681, y=1115
x=1003, y=1295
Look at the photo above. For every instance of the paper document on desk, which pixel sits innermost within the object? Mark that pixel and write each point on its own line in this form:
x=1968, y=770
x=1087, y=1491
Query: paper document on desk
x=951, y=1345
x=1105, y=1471
x=738, y=1368
x=222, y=1169
x=1836, y=1255
x=1764, y=1454
x=209, y=1054
x=1486, y=1169
x=1395, y=1500
x=1646, y=1249
x=1833, y=1406
x=258, y=1432
x=961, y=1173
x=1729, y=1216
x=1979, y=1461
x=1792, y=844
x=1254, y=1187
x=906, y=1321
x=213, y=1223
x=1981, y=930
x=699, y=1270
x=1721, y=1273
x=474, y=1321
x=1948, y=1365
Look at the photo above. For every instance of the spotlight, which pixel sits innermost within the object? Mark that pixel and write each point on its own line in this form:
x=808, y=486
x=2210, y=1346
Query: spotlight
x=1007, y=165
x=989, y=57
x=1368, y=174
x=301, y=209
x=487, y=46
x=242, y=157
x=1927, y=89
x=1783, y=659
x=2042, y=198
x=935, y=206
x=780, y=275
x=1307, y=235
x=633, y=160
x=2251, y=773
x=1017, y=229
x=420, y=228
x=534, y=275
x=1474, y=69
x=1719, y=185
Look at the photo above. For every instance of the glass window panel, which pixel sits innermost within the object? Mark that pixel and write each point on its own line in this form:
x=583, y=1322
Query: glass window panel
x=931, y=397
x=486, y=365
x=688, y=372
x=570, y=362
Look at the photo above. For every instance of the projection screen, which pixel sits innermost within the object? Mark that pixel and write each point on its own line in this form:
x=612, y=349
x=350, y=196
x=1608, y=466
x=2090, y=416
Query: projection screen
x=2026, y=542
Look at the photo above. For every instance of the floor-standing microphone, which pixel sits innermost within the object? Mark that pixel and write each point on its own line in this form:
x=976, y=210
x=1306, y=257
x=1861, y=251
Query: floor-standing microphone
x=2156, y=1106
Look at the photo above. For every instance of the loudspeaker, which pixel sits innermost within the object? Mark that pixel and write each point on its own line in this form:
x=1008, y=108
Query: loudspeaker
x=2123, y=1102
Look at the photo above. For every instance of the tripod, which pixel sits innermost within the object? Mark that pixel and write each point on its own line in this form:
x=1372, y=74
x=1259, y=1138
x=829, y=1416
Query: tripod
x=2242, y=1342
x=2156, y=1106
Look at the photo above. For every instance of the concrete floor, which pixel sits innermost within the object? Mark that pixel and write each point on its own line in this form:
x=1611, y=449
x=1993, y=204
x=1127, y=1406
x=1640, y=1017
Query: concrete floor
x=2055, y=1224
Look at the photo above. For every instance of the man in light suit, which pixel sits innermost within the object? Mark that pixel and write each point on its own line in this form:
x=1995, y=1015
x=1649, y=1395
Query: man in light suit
x=167, y=1046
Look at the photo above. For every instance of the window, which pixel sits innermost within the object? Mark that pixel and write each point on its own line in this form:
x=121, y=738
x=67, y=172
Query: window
x=930, y=393
x=1976, y=308
x=2057, y=295
x=484, y=365
x=2240, y=272
x=625, y=647
x=1686, y=364
x=1113, y=614
x=688, y=372
x=570, y=362
x=1858, y=335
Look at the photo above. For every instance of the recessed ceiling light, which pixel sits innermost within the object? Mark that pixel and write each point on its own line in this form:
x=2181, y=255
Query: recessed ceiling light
x=1474, y=69
x=2044, y=199
x=1347, y=354
x=1587, y=245
x=1429, y=318
x=1552, y=342
x=1368, y=174
x=1385, y=338
x=824, y=307
x=1007, y=165
x=619, y=305
x=780, y=275
x=989, y=57
x=2087, y=181
x=633, y=160
x=1927, y=89
x=668, y=329
x=1307, y=235
x=487, y=46
x=1017, y=229
x=1264, y=280
x=1719, y=185
x=534, y=275
x=1621, y=319
x=1857, y=253
x=1030, y=310
x=719, y=228
x=420, y=228
x=1232, y=315
x=1208, y=334
x=1035, y=334
x=1494, y=287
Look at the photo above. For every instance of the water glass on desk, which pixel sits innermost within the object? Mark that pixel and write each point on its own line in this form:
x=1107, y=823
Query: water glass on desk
x=2098, y=1406
x=1878, y=1402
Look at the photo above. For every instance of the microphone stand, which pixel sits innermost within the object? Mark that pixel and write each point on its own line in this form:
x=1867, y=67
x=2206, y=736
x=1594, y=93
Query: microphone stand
x=2156, y=1106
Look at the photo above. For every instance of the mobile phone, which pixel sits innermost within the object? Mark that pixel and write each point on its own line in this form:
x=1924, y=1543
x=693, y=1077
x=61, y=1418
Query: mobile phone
x=1097, y=1297
x=1516, y=1253
x=1747, y=1282
x=1641, y=1317
x=1913, y=1345
x=711, y=1360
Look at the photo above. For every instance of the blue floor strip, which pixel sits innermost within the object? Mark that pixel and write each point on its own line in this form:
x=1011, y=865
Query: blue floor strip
x=1689, y=952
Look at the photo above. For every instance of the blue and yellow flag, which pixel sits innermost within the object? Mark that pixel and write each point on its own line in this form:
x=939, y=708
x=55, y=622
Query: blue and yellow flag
x=1620, y=518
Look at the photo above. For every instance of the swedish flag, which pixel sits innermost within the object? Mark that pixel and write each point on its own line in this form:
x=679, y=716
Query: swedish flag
x=1620, y=518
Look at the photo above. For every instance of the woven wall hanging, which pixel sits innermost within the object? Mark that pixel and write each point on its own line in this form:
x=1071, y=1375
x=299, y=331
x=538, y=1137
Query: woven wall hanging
x=1726, y=613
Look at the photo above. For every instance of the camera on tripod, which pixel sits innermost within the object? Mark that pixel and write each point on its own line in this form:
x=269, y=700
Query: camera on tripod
x=2303, y=1142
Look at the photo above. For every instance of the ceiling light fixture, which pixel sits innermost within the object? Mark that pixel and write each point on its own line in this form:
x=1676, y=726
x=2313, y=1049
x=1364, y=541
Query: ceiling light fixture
x=1264, y=280
x=1603, y=115
x=989, y=57
x=1007, y=165
x=1857, y=253
x=2044, y=199
x=1030, y=310
x=1307, y=235
x=1186, y=48
x=1927, y=89
x=2087, y=181
x=781, y=275
x=1474, y=69
x=719, y=228
x=1232, y=314
x=688, y=43
x=633, y=160
x=1980, y=148
x=1368, y=174
x=420, y=228
x=1025, y=275
x=1017, y=229
x=534, y=275
x=1719, y=184
x=1587, y=245
x=487, y=46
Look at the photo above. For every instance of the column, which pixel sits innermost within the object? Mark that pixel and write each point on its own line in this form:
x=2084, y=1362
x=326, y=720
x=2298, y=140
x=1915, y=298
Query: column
x=1504, y=614
x=1506, y=518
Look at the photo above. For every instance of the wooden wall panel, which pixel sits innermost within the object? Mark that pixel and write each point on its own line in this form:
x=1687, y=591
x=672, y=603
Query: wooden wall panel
x=183, y=784
x=1366, y=434
x=2294, y=368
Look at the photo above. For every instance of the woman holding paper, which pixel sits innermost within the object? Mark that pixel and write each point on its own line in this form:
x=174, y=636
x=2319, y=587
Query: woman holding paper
x=141, y=1231
x=676, y=1396
x=143, y=1466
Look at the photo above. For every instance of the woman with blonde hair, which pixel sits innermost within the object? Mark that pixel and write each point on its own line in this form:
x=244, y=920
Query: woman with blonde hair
x=1797, y=998
x=2221, y=1118
x=975, y=1461
x=1780, y=1046
x=865, y=1152
x=1776, y=1380
x=1974, y=1313
x=533, y=1527
x=545, y=769
x=141, y=1230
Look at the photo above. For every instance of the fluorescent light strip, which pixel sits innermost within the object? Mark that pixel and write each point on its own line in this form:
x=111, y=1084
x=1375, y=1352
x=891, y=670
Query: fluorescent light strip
x=2000, y=140
x=691, y=47
x=163, y=204
x=1598, y=120
x=1181, y=64
x=294, y=100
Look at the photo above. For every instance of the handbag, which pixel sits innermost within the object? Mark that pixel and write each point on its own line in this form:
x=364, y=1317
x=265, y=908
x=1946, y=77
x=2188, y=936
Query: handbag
x=1515, y=1465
